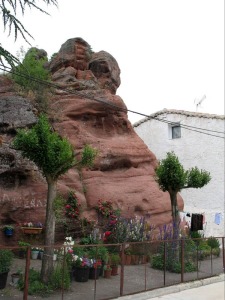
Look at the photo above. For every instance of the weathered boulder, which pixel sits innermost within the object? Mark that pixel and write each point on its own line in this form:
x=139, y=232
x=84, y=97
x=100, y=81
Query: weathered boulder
x=86, y=110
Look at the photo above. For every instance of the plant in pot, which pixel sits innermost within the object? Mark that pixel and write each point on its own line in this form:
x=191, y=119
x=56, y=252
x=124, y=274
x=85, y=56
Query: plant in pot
x=34, y=252
x=16, y=276
x=81, y=268
x=107, y=271
x=8, y=230
x=23, y=248
x=6, y=258
x=114, y=262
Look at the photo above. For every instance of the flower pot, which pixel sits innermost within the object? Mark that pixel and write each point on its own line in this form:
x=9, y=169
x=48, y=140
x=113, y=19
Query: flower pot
x=114, y=271
x=54, y=256
x=31, y=230
x=8, y=232
x=34, y=254
x=40, y=255
x=81, y=274
x=94, y=273
x=15, y=278
x=127, y=259
x=3, y=280
x=107, y=274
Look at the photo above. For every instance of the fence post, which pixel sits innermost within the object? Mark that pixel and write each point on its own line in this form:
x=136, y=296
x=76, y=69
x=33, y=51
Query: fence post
x=223, y=254
x=122, y=270
x=164, y=259
x=27, y=268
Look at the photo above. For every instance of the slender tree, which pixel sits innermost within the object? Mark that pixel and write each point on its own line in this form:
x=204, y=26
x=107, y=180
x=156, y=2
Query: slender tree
x=8, y=10
x=172, y=177
x=54, y=156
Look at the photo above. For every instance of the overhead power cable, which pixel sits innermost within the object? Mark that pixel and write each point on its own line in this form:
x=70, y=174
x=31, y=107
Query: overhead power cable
x=80, y=94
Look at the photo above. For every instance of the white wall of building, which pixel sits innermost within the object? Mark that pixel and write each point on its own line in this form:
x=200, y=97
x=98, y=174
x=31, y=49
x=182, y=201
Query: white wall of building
x=206, y=151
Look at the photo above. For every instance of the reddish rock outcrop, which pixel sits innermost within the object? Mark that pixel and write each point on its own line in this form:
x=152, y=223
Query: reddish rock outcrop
x=86, y=110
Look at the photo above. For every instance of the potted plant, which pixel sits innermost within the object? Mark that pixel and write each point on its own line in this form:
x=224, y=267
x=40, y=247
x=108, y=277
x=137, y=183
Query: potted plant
x=95, y=267
x=8, y=230
x=107, y=271
x=114, y=262
x=16, y=276
x=32, y=228
x=23, y=249
x=6, y=258
x=81, y=268
x=34, y=252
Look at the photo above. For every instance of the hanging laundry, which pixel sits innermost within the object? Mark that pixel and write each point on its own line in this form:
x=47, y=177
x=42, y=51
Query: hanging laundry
x=217, y=218
x=196, y=222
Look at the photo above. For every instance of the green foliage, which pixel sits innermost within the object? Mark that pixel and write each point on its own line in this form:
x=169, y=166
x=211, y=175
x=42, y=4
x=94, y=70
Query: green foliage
x=213, y=242
x=35, y=286
x=6, y=258
x=52, y=154
x=197, y=178
x=60, y=277
x=114, y=259
x=31, y=67
x=171, y=175
x=172, y=263
x=88, y=156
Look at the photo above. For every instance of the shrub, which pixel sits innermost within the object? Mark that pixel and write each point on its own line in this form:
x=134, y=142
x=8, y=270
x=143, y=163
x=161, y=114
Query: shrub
x=6, y=258
x=213, y=242
x=35, y=287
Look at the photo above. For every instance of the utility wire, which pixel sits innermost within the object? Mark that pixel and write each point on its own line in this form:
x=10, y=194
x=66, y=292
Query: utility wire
x=50, y=84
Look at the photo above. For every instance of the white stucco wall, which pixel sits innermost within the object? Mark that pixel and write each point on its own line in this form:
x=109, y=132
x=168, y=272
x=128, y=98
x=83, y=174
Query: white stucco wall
x=193, y=149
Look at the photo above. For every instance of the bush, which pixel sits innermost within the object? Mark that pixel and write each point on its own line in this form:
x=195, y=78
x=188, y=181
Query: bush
x=32, y=67
x=60, y=277
x=173, y=263
x=6, y=258
x=213, y=242
x=35, y=287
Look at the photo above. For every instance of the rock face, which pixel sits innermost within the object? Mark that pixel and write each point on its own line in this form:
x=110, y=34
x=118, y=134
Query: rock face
x=86, y=110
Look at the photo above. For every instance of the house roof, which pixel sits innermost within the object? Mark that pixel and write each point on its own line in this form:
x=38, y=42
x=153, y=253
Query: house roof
x=179, y=112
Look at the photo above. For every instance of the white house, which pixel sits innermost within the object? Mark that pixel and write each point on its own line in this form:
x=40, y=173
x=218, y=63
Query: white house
x=197, y=139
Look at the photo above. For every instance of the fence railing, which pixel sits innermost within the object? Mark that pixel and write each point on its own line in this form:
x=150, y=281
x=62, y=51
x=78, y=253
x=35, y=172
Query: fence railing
x=142, y=266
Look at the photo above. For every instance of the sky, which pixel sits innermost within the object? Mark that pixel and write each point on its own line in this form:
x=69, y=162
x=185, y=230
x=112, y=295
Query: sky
x=170, y=52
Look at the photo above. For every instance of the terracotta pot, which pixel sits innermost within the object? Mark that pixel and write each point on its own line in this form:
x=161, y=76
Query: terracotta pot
x=107, y=274
x=114, y=271
x=31, y=230
x=127, y=259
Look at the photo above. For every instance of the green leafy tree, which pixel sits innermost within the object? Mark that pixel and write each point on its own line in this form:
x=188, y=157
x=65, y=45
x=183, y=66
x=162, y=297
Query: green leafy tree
x=54, y=156
x=172, y=177
x=8, y=10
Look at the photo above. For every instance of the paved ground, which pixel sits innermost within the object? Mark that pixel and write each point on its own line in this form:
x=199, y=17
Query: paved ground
x=137, y=279
x=206, y=289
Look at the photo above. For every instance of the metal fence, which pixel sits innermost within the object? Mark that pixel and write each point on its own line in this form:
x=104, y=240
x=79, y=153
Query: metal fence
x=136, y=271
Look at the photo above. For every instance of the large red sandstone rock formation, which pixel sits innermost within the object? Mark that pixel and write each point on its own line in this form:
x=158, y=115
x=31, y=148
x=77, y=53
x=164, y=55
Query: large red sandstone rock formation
x=86, y=110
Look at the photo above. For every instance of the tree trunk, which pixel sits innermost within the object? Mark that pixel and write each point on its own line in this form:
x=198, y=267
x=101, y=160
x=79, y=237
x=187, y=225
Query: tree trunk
x=175, y=214
x=176, y=229
x=47, y=261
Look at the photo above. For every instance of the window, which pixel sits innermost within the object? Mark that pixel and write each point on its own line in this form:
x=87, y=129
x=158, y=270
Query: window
x=174, y=131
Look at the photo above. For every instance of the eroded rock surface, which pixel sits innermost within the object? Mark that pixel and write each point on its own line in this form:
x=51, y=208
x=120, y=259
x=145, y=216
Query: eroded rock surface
x=86, y=110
